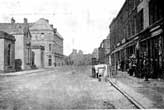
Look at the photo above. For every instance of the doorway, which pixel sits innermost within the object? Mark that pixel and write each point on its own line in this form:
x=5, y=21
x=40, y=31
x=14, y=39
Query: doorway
x=155, y=50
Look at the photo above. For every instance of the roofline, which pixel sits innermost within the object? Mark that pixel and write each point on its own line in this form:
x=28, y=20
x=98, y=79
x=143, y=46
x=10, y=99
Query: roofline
x=38, y=47
x=4, y=35
x=59, y=36
x=114, y=19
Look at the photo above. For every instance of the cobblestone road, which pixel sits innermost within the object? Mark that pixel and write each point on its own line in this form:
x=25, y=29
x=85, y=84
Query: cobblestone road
x=60, y=88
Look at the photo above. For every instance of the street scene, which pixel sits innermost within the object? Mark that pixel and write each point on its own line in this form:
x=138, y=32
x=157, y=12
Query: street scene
x=81, y=54
x=62, y=88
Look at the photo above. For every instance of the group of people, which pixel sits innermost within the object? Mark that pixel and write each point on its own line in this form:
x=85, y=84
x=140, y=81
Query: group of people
x=136, y=67
x=139, y=68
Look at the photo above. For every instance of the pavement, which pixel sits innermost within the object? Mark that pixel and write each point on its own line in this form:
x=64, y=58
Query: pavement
x=150, y=93
x=21, y=72
x=24, y=72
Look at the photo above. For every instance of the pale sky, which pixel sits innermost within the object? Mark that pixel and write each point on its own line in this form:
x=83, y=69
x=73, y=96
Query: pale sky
x=82, y=23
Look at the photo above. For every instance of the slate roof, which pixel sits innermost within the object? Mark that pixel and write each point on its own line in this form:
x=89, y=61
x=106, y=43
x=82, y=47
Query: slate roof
x=15, y=28
x=58, y=35
x=4, y=35
x=41, y=24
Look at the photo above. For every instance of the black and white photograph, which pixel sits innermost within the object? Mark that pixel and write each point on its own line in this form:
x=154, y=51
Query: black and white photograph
x=81, y=54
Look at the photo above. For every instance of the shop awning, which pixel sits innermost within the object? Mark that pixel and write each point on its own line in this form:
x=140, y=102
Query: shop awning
x=125, y=45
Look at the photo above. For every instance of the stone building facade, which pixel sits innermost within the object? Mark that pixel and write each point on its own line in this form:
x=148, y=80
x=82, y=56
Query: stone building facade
x=38, y=56
x=58, y=49
x=7, y=52
x=23, y=41
x=138, y=30
x=43, y=34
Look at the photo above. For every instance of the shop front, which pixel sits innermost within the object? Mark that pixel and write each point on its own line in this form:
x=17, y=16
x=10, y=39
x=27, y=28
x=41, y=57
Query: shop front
x=152, y=45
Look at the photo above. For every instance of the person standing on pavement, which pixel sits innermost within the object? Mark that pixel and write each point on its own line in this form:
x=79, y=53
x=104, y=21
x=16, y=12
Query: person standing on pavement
x=122, y=65
x=146, y=67
x=132, y=65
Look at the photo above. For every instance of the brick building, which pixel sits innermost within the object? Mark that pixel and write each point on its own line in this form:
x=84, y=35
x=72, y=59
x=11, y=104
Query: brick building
x=43, y=34
x=23, y=41
x=138, y=29
x=7, y=52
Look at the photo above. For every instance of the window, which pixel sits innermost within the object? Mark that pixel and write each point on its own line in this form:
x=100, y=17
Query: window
x=49, y=60
x=155, y=11
x=50, y=47
x=36, y=37
x=33, y=58
x=42, y=36
x=139, y=21
x=9, y=54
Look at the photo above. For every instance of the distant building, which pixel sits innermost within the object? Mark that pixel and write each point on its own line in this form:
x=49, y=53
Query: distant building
x=23, y=41
x=74, y=57
x=78, y=58
x=7, y=52
x=95, y=53
x=43, y=34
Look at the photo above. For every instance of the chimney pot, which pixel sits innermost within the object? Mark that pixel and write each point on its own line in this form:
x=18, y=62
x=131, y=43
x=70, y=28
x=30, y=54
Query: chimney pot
x=55, y=30
x=25, y=20
x=51, y=26
x=12, y=20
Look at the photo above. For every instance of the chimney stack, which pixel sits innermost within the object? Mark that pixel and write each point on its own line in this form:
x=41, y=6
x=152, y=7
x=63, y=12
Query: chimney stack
x=51, y=26
x=47, y=20
x=25, y=20
x=55, y=30
x=12, y=20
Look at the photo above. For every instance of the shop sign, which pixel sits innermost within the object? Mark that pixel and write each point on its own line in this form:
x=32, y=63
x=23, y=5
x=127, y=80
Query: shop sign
x=154, y=28
x=156, y=33
x=118, y=44
x=123, y=41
